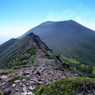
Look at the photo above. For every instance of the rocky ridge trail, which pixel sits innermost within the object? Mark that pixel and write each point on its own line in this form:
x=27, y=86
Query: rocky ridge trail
x=45, y=72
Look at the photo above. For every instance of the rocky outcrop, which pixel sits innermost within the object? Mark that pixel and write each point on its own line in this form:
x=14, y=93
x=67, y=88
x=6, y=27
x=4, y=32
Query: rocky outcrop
x=35, y=41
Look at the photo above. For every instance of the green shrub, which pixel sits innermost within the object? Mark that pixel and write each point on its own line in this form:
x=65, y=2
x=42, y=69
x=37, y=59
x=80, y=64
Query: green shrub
x=1, y=93
x=26, y=58
x=66, y=86
x=6, y=71
x=82, y=68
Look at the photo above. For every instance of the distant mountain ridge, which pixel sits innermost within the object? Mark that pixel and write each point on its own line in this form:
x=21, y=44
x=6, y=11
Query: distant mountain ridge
x=7, y=44
x=60, y=25
x=68, y=38
x=19, y=47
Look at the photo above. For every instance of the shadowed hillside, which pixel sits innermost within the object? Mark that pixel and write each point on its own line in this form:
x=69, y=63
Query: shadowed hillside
x=7, y=44
x=68, y=38
x=19, y=47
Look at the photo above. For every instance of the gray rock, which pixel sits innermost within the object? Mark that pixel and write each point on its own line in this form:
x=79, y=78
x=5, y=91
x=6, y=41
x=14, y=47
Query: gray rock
x=16, y=81
x=24, y=80
x=80, y=94
x=26, y=93
x=4, y=77
x=13, y=85
x=35, y=80
x=2, y=84
x=23, y=85
x=54, y=80
x=41, y=82
x=17, y=90
x=31, y=88
x=7, y=92
x=24, y=88
x=26, y=73
x=27, y=83
x=38, y=73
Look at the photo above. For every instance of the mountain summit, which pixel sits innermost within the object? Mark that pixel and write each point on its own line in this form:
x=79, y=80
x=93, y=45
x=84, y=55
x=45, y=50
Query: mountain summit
x=68, y=38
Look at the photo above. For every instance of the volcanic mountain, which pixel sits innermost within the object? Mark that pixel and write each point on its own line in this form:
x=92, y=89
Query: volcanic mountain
x=68, y=38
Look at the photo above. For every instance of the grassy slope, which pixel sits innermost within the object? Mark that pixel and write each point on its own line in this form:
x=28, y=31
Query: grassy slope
x=27, y=58
x=7, y=44
x=67, y=86
x=17, y=50
x=12, y=51
x=82, y=68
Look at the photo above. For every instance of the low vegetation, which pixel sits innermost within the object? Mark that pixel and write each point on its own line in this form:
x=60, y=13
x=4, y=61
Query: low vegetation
x=67, y=86
x=18, y=78
x=1, y=93
x=6, y=71
x=50, y=54
x=27, y=58
x=82, y=68
x=7, y=44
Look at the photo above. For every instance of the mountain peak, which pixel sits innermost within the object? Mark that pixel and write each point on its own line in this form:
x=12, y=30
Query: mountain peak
x=59, y=35
x=47, y=23
x=31, y=35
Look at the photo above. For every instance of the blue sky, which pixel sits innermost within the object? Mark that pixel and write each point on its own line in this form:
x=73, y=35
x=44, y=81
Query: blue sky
x=19, y=16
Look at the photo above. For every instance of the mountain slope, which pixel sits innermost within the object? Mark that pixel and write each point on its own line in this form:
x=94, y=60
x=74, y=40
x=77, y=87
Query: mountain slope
x=23, y=53
x=68, y=38
x=7, y=44
x=27, y=64
x=20, y=46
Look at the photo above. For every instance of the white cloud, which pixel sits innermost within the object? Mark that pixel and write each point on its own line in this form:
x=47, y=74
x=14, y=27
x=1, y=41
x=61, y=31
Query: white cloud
x=53, y=16
x=78, y=19
x=67, y=15
x=56, y=16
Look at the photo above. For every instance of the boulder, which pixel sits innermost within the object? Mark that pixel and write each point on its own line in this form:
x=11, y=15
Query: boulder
x=13, y=85
x=26, y=93
x=26, y=73
x=16, y=81
x=38, y=73
x=4, y=77
x=7, y=92
x=31, y=88
x=24, y=80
